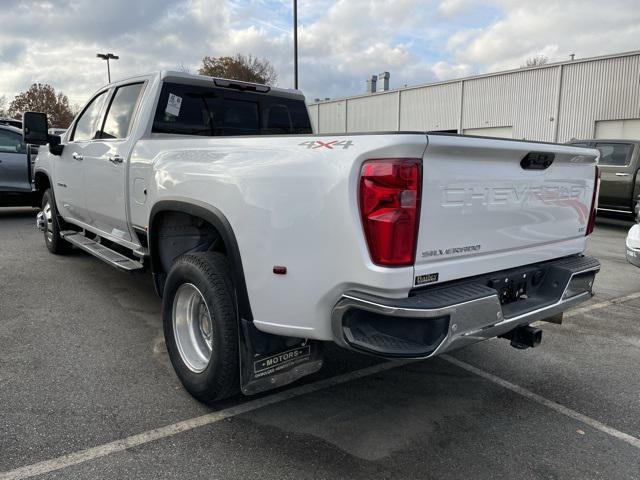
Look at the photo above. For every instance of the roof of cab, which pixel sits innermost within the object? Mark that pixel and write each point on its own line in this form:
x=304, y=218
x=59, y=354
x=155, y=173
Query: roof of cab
x=203, y=79
x=183, y=77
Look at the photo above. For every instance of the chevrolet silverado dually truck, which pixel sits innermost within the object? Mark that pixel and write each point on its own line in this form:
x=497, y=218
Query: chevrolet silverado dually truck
x=265, y=241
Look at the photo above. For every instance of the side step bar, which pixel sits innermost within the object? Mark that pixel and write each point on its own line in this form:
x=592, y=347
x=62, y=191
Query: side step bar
x=113, y=258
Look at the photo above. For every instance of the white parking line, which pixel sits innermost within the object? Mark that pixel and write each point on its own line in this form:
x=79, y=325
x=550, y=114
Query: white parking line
x=606, y=303
x=94, y=453
x=595, y=424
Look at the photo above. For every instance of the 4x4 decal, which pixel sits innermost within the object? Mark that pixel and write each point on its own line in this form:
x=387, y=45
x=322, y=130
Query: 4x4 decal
x=313, y=144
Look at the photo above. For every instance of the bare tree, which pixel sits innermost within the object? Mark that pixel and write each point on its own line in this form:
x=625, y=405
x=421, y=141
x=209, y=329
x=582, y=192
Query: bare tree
x=3, y=106
x=535, y=61
x=41, y=97
x=240, y=67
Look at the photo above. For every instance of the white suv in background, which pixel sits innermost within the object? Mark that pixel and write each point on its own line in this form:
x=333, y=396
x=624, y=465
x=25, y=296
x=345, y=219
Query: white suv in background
x=633, y=240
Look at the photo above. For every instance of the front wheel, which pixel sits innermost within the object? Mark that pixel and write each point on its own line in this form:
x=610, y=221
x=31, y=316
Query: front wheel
x=52, y=239
x=201, y=327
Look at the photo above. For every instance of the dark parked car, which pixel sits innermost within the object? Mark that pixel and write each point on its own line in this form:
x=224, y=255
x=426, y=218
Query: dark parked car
x=12, y=122
x=16, y=187
x=619, y=164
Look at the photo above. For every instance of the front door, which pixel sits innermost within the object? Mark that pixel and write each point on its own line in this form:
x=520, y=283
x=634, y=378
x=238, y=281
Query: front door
x=617, y=175
x=69, y=187
x=106, y=170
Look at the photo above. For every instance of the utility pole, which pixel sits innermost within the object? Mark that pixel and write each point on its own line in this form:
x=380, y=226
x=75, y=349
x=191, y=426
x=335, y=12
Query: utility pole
x=107, y=57
x=295, y=43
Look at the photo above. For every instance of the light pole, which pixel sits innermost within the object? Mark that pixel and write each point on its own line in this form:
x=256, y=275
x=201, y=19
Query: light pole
x=107, y=57
x=295, y=43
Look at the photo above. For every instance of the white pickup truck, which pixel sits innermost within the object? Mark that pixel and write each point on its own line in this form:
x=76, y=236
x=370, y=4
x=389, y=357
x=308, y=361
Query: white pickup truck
x=265, y=241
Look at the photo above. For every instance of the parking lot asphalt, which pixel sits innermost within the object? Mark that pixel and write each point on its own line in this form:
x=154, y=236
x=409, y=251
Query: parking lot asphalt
x=83, y=366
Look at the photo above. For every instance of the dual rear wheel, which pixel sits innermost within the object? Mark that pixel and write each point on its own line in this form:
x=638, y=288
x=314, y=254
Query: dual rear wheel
x=201, y=327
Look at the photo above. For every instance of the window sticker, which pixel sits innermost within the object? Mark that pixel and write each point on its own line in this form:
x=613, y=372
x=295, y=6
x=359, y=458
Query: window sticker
x=173, y=105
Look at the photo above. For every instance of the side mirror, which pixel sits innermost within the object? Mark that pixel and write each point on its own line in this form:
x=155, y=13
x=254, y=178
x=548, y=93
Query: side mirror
x=35, y=131
x=35, y=128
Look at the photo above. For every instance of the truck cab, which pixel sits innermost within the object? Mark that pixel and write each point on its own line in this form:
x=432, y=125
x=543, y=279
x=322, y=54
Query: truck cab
x=619, y=164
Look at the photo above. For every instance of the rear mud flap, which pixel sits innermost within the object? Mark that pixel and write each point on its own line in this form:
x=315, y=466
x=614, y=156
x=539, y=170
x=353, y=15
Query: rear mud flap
x=271, y=361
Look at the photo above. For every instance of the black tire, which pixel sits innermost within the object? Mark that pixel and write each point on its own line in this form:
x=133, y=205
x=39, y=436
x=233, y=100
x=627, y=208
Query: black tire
x=210, y=273
x=52, y=239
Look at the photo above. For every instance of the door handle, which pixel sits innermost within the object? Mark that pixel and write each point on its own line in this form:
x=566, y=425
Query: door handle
x=77, y=156
x=116, y=159
x=622, y=174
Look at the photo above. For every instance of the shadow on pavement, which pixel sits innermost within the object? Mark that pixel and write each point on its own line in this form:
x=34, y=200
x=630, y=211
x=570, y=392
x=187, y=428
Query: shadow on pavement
x=17, y=212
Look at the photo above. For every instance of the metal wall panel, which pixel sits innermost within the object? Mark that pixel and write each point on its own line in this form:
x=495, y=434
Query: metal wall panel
x=435, y=107
x=627, y=129
x=313, y=114
x=606, y=89
x=332, y=117
x=375, y=113
x=498, y=132
x=532, y=101
x=523, y=100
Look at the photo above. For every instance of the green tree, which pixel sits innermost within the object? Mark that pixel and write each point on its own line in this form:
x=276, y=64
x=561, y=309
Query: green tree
x=41, y=97
x=240, y=67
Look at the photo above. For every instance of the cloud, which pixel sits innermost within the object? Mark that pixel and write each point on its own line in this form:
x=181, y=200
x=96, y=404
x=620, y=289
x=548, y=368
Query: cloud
x=551, y=28
x=341, y=42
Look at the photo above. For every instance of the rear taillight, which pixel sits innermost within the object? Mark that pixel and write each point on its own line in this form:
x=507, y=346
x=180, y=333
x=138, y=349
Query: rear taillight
x=390, y=209
x=594, y=204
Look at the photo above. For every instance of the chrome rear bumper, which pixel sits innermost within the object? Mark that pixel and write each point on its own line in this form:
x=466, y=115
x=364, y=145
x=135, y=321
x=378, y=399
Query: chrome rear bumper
x=434, y=321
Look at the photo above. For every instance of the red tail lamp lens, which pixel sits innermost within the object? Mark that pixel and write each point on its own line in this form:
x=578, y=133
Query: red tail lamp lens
x=390, y=190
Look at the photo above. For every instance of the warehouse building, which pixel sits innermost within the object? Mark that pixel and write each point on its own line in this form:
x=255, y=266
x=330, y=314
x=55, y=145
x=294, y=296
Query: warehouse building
x=595, y=97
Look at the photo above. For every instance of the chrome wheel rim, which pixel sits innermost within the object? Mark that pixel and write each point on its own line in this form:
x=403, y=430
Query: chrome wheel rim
x=48, y=216
x=192, y=327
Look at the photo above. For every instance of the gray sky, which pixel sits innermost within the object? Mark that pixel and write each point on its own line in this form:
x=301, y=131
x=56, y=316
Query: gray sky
x=341, y=42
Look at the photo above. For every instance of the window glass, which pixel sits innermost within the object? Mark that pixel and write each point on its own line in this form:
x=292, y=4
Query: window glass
x=120, y=114
x=87, y=124
x=211, y=111
x=11, y=142
x=238, y=118
x=614, y=153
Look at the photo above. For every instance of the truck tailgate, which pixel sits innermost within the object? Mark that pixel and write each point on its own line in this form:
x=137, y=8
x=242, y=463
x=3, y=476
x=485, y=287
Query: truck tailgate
x=482, y=211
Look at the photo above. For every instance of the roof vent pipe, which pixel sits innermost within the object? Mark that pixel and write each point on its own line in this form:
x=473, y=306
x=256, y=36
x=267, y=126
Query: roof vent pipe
x=383, y=81
x=371, y=84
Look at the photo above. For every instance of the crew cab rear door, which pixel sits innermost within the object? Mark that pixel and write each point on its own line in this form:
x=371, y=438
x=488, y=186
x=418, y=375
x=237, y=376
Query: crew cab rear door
x=106, y=172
